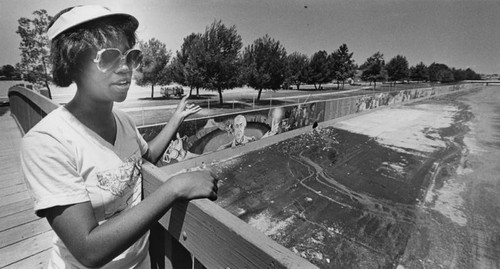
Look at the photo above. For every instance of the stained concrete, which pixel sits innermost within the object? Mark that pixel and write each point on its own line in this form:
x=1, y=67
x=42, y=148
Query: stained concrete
x=414, y=186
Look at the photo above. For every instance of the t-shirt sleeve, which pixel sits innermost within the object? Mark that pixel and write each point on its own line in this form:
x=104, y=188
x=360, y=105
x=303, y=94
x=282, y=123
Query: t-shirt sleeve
x=143, y=145
x=51, y=172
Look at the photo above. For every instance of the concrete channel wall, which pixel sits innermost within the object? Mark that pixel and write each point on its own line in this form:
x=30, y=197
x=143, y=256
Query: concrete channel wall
x=203, y=139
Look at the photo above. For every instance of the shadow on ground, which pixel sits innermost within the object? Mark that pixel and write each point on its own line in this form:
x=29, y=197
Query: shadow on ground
x=226, y=105
x=267, y=102
x=4, y=109
x=159, y=98
x=163, y=98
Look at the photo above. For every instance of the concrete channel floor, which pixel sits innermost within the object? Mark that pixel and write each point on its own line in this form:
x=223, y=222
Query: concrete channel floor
x=459, y=223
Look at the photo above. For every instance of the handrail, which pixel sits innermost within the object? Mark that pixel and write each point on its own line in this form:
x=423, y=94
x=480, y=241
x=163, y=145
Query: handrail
x=28, y=107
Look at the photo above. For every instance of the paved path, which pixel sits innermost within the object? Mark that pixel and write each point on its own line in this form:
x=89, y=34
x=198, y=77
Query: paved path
x=24, y=238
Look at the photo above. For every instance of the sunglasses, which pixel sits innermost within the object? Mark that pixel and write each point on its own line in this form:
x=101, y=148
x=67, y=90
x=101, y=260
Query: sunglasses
x=109, y=58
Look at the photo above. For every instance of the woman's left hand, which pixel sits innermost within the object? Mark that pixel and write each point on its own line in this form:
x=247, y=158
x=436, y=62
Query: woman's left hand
x=184, y=109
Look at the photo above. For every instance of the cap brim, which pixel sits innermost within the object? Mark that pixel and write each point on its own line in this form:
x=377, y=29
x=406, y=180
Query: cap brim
x=82, y=14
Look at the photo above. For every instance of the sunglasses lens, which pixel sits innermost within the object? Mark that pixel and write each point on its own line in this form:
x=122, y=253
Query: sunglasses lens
x=134, y=58
x=109, y=58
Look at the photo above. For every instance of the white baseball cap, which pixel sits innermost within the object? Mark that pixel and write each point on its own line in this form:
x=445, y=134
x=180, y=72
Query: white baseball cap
x=81, y=14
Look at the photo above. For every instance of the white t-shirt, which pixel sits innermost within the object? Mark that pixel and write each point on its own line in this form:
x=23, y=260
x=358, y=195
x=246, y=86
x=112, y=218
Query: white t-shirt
x=64, y=163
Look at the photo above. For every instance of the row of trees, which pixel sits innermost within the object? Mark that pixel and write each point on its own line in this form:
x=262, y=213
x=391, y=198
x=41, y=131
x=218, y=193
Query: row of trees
x=216, y=60
x=397, y=69
x=213, y=60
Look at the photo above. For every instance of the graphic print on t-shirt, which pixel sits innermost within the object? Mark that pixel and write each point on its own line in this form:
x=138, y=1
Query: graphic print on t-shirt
x=121, y=180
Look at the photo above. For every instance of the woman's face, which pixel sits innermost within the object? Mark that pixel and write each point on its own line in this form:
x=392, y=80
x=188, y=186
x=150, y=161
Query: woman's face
x=109, y=86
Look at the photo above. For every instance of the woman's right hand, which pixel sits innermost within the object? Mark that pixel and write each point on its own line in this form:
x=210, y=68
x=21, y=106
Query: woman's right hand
x=200, y=183
x=185, y=109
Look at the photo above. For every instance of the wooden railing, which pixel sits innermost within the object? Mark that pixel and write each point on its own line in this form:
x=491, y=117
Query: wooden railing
x=214, y=237
x=28, y=107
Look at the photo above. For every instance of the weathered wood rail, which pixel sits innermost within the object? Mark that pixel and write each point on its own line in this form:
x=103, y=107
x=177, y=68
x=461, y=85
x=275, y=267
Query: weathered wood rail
x=214, y=237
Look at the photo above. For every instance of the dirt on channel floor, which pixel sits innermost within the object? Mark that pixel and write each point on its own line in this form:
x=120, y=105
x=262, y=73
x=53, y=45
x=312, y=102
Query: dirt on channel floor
x=458, y=225
x=413, y=186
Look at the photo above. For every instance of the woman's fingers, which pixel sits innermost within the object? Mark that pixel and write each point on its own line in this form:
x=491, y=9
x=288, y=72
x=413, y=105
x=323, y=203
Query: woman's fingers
x=215, y=188
x=206, y=184
x=191, y=109
x=184, y=99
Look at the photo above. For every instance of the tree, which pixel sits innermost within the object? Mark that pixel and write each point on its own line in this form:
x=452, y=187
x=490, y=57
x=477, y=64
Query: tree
x=319, y=69
x=397, y=69
x=458, y=74
x=34, y=48
x=342, y=64
x=187, y=66
x=9, y=72
x=436, y=71
x=419, y=72
x=445, y=76
x=296, y=69
x=153, y=70
x=471, y=74
x=221, y=67
x=374, y=69
x=264, y=64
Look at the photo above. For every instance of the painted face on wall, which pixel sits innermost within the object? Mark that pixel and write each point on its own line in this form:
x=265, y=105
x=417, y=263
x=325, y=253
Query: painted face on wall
x=239, y=125
x=276, y=116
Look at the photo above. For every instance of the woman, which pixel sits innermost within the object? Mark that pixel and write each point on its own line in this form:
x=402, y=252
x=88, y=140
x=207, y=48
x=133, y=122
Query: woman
x=82, y=162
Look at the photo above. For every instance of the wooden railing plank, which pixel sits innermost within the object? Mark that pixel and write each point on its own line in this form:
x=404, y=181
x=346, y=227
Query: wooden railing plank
x=14, y=198
x=36, y=261
x=13, y=208
x=26, y=248
x=10, y=180
x=16, y=219
x=22, y=232
x=9, y=190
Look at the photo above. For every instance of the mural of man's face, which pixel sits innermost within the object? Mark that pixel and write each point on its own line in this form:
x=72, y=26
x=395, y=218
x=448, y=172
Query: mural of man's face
x=240, y=122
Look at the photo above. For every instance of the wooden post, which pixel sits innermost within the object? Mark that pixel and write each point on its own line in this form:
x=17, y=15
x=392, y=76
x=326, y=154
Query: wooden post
x=142, y=116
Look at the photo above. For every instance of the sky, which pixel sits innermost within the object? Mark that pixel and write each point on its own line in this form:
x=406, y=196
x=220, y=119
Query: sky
x=459, y=33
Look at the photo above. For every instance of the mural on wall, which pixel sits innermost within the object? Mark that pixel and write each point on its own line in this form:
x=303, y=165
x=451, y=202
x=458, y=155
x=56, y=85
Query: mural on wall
x=201, y=136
